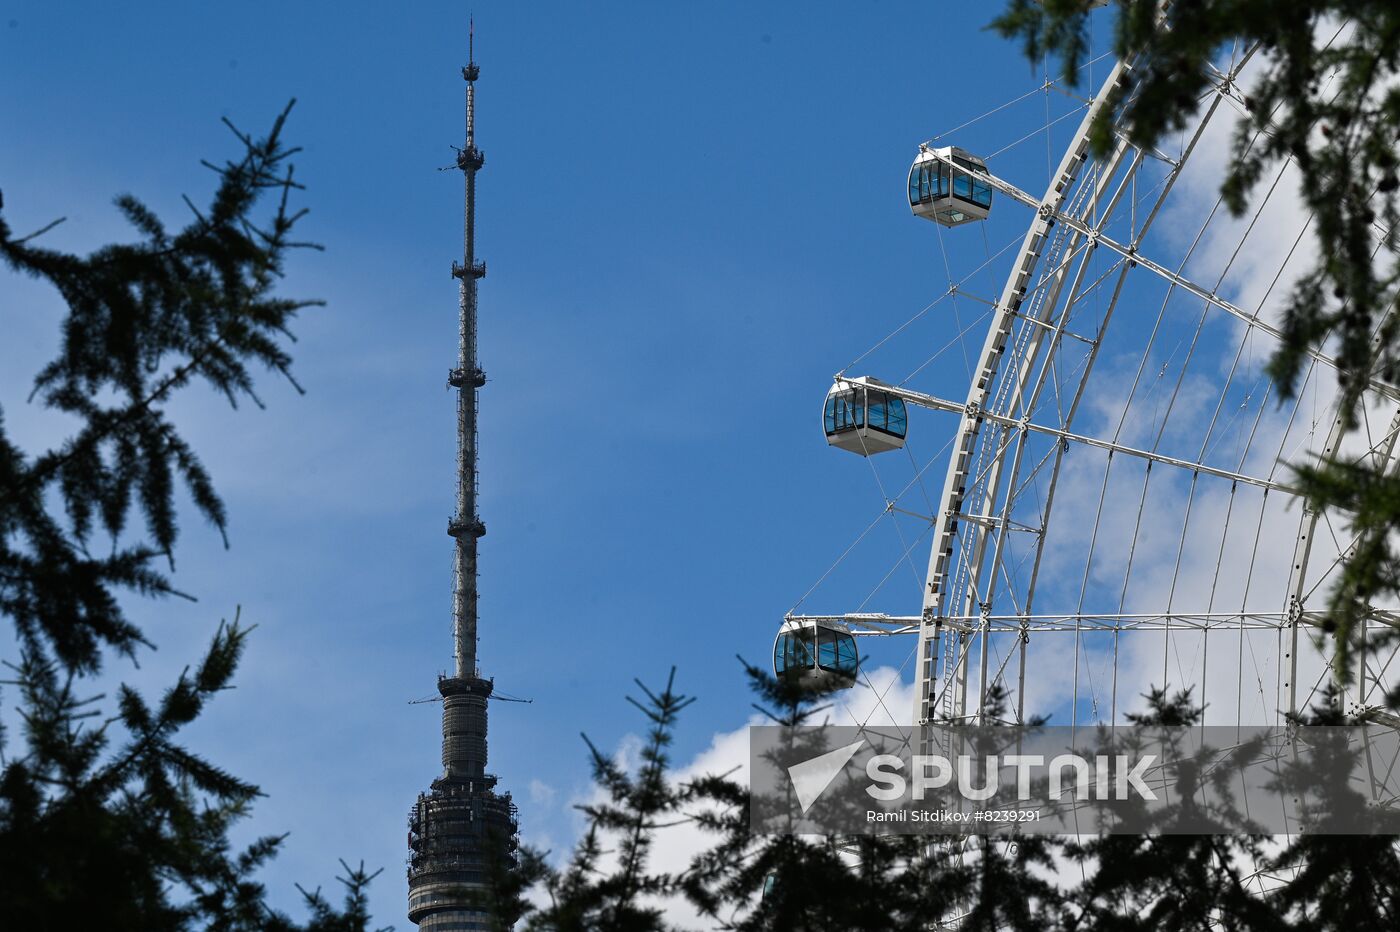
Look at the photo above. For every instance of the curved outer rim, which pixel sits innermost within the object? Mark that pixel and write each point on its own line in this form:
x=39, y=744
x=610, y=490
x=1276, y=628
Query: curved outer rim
x=965, y=442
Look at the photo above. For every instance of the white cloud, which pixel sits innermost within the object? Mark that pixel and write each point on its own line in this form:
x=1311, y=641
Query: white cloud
x=728, y=754
x=541, y=794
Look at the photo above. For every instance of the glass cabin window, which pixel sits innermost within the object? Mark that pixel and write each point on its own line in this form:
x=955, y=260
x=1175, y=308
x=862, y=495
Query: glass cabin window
x=927, y=180
x=852, y=410
x=887, y=413
x=981, y=193
x=897, y=421
x=875, y=413
x=837, y=651
x=969, y=187
x=843, y=412
x=847, y=659
x=826, y=650
x=793, y=652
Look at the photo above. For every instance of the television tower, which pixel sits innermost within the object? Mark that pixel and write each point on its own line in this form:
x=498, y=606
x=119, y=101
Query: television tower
x=462, y=832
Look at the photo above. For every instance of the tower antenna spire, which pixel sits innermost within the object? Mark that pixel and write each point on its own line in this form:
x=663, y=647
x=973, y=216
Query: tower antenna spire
x=459, y=828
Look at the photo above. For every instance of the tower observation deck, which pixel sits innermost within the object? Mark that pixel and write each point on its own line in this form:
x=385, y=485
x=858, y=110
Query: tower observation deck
x=462, y=832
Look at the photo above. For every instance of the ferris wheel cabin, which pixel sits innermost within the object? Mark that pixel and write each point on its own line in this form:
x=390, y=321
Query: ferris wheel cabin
x=820, y=655
x=863, y=419
x=949, y=194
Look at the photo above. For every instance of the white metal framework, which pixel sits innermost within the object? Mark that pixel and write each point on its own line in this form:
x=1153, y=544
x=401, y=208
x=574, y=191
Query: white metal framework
x=1117, y=511
x=1120, y=461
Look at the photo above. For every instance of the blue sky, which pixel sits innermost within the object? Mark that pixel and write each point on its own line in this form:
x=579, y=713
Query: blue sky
x=692, y=217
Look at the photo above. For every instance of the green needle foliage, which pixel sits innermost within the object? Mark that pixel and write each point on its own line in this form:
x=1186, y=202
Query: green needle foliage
x=1170, y=882
x=145, y=319
x=105, y=815
x=1339, y=883
x=747, y=881
x=744, y=881
x=608, y=883
x=1321, y=93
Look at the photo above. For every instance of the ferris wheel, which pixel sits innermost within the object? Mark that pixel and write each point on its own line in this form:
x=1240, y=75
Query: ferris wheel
x=1116, y=510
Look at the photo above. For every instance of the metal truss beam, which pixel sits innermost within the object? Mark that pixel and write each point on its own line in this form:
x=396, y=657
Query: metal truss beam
x=942, y=404
x=1052, y=212
x=943, y=590
x=880, y=624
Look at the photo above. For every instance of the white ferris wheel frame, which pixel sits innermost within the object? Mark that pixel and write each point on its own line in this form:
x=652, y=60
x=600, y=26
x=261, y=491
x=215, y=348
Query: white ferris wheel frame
x=1028, y=323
